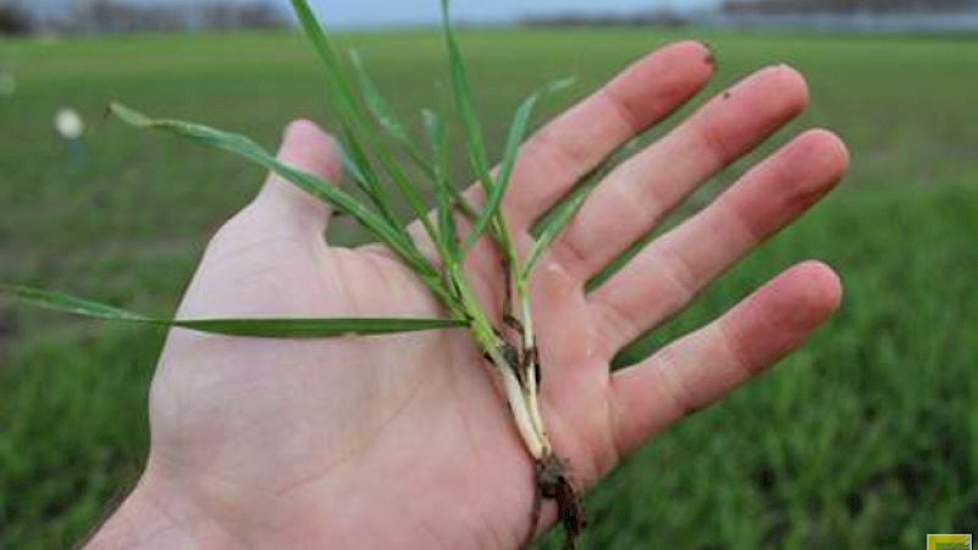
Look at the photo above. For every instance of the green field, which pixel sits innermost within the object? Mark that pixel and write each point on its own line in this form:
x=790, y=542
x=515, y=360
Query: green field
x=866, y=439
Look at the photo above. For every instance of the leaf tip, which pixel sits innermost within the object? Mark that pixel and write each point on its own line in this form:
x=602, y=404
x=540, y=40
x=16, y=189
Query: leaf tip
x=562, y=84
x=129, y=116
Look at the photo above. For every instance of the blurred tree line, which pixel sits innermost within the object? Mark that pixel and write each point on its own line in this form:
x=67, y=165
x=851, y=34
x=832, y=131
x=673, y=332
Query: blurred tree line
x=844, y=6
x=14, y=19
x=121, y=16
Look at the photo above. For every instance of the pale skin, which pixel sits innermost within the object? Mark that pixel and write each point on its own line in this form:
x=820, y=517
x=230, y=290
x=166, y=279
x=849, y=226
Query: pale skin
x=404, y=441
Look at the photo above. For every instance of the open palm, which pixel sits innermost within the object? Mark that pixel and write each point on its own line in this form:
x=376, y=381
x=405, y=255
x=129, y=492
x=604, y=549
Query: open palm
x=404, y=441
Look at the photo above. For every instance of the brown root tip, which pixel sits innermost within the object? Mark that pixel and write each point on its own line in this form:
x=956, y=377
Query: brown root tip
x=553, y=483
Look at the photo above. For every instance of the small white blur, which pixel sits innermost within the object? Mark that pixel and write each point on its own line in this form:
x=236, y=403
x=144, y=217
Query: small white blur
x=69, y=124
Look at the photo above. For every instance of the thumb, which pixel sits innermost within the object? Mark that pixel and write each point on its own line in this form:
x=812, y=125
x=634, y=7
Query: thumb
x=307, y=148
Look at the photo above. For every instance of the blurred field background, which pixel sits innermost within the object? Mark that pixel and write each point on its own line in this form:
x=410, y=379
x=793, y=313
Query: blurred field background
x=868, y=438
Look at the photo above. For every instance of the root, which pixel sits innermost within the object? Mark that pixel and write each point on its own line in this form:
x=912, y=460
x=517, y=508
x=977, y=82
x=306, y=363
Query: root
x=535, y=511
x=520, y=373
x=553, y=483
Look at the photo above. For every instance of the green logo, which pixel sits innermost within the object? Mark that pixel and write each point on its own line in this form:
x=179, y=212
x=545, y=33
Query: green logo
x=949, y=542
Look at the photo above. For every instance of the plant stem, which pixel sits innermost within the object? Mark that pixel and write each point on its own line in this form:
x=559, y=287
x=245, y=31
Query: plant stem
x=492, y=346
x=532, y=358
x=518, y=371
x=537, y=446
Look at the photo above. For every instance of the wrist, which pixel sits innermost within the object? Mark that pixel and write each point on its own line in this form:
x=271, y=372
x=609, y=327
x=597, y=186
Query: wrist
x=156, y=514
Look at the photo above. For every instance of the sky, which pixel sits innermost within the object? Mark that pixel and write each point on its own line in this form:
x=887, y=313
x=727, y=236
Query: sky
x=383, y=13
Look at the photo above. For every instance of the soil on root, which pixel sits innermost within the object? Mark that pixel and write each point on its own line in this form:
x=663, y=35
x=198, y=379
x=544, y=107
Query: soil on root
x=553, y=483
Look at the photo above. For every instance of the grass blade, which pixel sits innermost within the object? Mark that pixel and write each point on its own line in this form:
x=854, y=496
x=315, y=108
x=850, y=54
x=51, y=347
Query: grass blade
x=517, y=132
x=68, y=304
x=554, y=226
x=257, y=328
x=496, y=194
x=340, y=91
x=313, y=328
x=386, y=117
x=462, y=92
x=446, y=215
x=376, y=103
x=332, y=195
x=556, y=222
x=354, y=160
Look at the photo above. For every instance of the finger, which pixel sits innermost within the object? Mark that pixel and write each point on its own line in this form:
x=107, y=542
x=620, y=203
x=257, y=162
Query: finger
x=639, y=193
x=706, y=365
x=567, y=148
x=664, y=277
x=307, y=148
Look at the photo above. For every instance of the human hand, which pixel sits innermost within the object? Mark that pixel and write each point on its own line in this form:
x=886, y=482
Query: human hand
x=404, y=441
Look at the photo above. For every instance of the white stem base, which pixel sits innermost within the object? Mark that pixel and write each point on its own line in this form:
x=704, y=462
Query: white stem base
x=523, y=414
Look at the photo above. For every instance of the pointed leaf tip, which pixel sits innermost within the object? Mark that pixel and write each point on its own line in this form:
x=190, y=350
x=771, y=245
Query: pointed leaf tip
x=130, y=116
x=256, y=328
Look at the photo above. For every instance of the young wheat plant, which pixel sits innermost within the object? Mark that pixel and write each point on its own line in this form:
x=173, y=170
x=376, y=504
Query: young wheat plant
x=370, y=131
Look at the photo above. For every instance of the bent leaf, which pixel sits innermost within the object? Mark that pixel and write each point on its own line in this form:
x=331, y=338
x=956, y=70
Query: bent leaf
x=330, y=194
x=385, y=116
x=256, y=328
x=376, y=103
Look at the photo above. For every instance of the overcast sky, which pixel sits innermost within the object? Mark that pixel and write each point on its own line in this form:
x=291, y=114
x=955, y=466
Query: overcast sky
x=401, y=12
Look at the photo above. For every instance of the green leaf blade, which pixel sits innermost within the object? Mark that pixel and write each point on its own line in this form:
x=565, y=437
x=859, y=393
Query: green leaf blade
x=462, y=92
x=446, y=217
x=340, y=90
x=557, y=221
x=256, y=328
x=339, y=93
x=385, y=117
x=517, y=133
x=377, y=105
x=65, y=303
x=312, y=328
x=321, y=43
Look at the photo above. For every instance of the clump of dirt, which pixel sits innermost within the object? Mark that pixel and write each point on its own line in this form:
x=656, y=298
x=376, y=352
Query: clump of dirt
x=553, y=483
x=711, y=58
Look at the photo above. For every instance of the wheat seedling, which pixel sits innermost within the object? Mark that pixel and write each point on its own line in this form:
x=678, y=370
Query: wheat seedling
x=369, y=129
